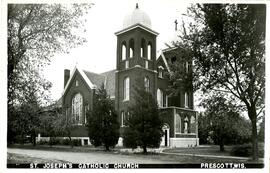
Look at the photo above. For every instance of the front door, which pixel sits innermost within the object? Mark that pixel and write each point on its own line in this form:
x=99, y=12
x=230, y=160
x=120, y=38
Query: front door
x=166, y=137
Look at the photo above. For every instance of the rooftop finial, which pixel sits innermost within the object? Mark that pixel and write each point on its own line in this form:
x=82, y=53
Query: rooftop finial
x=137, y=6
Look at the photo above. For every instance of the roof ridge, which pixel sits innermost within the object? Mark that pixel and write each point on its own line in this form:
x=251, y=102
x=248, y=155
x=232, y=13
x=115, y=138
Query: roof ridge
x=91, y=72
x=107, y=71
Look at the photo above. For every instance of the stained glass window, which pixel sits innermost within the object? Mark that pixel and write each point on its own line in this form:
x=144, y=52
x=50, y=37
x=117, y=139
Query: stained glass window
x=77, y=108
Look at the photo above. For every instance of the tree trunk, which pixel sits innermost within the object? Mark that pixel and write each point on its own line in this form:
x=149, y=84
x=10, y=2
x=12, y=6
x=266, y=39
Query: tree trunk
x=107, y=148
x=221, y=145
x=50, y=141
x=254, y=140
x=22, y=139
x=253, y=117
x=34, y=139
x=144, y=150
x=70, y=140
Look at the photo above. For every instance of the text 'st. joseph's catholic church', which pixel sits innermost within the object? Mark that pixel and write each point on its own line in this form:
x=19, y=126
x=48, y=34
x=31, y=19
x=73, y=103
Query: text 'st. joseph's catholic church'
x=137, y=65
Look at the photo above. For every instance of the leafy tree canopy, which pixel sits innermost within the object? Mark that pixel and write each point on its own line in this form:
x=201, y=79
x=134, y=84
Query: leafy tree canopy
x=35, y=33
x=224, y=123
x=227, y=44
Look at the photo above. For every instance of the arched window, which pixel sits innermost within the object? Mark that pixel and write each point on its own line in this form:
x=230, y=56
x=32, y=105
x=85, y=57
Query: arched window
x=146, y=64
x=126, y=88
x=192, y=124
x=177, y=123
x=131, y=48
x=86, y=109
x=160, y=97
x=122, y=118
x=160, y=71
x=187, y=66
x=186, y=125
x=124, y=51
x=166, y=100
x=77, y=108
x=143, y=48
x=149, y=51
x=147, y=84
x=186, y=99
x=126, y=118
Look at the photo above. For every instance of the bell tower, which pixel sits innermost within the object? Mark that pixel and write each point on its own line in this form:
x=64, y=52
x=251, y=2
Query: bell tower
x=135, y=60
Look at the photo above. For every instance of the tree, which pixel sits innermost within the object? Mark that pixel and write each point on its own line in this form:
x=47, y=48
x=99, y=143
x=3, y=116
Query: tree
x=52, y=122
x=25, y=121
x=103, y=127
x=203, y=129
x=144, y=125
x=227, y=43
x=224, y=122
x=35, y=33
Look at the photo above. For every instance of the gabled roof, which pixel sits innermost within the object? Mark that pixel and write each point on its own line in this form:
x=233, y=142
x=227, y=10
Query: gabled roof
x=86, y=79
x=138, y=25
x=162, y=57
x=94, y=80
x=110, y=82
x=169, y=49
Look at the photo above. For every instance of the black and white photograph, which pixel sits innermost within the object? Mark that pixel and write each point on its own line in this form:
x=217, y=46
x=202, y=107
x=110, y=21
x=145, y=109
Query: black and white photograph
x=137, y=84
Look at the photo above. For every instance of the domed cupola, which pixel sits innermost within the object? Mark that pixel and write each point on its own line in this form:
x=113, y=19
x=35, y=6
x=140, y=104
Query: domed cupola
x=137, y=17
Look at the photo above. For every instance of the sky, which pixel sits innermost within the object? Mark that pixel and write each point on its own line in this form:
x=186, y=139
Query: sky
x=103, y=20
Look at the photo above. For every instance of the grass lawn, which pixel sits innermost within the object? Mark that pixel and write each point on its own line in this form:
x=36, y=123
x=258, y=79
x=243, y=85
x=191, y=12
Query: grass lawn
x=21, y=159
x=203, y=150
x=18, y=158
x=207, y=150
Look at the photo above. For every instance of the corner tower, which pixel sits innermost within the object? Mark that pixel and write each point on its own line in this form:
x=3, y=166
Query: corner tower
x=135, y=60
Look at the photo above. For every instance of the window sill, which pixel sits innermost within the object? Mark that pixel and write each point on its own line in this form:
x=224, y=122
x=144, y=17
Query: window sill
x=185, y=133
x=125, y=100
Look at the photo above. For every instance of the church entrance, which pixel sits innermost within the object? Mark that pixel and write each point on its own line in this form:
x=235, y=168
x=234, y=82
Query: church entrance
x=166, y=136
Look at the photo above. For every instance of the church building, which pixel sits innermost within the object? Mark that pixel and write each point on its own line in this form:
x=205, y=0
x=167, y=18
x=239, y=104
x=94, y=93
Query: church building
x=137, y=65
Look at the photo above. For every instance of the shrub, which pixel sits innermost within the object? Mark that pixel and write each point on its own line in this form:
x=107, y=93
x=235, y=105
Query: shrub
x=129, y=139
x=103, y=126
x=242, y=150
x=245, y=150
x=66, y=141
x=42, y=142
x=144, y=123
x=54, y=141
x=76, y=142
